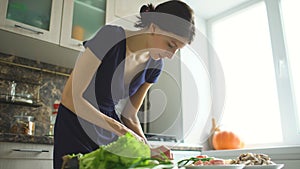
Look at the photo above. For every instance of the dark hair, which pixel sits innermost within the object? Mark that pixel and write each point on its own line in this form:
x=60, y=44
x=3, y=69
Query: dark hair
x=173, y=16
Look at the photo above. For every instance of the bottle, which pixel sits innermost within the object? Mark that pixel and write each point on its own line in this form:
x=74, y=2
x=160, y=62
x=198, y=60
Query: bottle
x=53, y=117
x=13, y=85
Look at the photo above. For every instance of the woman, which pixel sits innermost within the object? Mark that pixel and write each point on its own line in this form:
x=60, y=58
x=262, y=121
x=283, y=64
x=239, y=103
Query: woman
x=118, y=64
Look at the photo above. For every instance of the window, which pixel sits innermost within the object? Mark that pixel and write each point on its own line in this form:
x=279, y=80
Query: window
x=256, y=44
x=243, y=45
x=290, y=10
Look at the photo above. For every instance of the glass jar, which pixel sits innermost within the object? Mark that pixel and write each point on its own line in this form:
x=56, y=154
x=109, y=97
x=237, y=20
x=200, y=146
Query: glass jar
x=23, y=125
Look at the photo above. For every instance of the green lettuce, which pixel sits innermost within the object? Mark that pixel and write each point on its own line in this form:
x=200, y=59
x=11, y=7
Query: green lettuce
x=120, y=154
x=126, y=152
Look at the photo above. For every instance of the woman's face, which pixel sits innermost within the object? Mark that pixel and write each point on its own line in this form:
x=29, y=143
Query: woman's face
x=163, y=44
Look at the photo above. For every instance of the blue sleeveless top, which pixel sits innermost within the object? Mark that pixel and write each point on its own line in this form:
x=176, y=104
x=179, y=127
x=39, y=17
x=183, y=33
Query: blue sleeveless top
x=109, y=45
x=107, y=87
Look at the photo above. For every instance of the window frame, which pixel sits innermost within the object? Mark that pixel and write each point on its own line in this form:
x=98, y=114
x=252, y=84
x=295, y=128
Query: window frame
x=287, y=103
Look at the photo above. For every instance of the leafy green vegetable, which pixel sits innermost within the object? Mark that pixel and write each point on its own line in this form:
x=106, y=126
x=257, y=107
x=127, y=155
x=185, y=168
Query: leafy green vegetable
x=119, y=154
x=153, y=163
x=126, y=152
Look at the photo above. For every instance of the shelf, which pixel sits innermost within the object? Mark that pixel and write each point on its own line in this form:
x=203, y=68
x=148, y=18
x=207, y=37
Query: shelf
x=10, y=95
x=21, y=103
x=4, y=98
x=20, y=81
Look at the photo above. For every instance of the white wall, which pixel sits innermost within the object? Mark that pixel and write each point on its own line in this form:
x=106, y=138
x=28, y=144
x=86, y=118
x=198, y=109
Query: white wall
x=195, y=85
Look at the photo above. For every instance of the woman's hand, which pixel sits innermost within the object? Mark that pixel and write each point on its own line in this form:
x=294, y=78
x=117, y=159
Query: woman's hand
x=157, y=152
x=138, y=137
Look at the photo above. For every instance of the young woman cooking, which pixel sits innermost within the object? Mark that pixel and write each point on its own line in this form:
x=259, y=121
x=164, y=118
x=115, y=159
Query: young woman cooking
x=118, y=64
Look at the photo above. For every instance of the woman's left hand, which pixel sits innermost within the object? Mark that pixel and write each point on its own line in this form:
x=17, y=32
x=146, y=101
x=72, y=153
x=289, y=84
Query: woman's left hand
x=157, y=152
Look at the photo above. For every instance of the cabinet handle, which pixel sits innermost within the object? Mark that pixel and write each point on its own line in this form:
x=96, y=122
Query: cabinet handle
x=32, y=150
x=29, y=29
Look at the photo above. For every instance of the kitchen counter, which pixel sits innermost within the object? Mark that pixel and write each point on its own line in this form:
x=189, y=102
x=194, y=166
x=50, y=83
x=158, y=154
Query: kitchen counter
x=19, y=138
x=177, y=146
x=186, y=147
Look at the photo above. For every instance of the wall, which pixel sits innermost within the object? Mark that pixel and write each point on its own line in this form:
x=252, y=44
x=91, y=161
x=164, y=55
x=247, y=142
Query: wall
x=50, y=88
x=196, y=99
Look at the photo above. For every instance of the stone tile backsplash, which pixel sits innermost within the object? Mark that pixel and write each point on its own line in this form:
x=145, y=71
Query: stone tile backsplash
x=40, y=85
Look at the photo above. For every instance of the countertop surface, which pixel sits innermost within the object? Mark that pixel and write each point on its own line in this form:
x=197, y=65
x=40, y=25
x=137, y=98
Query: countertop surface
x=177, y=146
x=19, y=138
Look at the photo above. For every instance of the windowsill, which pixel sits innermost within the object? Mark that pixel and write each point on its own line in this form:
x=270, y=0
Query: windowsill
x=276, y=153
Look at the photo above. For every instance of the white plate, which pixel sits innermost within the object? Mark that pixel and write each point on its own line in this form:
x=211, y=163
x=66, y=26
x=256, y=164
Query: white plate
x=275, y=166
x=233, y=166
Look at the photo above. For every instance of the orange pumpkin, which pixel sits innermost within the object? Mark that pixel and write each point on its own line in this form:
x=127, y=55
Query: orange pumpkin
x=222, y=140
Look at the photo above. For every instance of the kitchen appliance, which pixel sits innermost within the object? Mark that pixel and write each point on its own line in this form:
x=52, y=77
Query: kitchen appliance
x=157, y=137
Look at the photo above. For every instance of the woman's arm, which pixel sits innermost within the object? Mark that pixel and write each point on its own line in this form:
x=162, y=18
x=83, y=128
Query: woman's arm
x=82, y=75
x=129, y=113
x=130, y=119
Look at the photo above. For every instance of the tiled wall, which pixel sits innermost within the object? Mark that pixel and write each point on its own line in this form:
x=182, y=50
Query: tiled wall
x=49, y=86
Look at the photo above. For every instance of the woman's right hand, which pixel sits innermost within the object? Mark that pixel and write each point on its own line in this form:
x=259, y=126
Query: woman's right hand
x=138, y=137
x=157, y=152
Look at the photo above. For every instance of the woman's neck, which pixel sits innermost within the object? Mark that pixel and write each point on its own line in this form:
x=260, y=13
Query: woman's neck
x=137, y=45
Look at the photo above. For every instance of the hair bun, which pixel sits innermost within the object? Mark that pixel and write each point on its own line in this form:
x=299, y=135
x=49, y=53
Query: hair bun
x=145, y=18
x=147, y=8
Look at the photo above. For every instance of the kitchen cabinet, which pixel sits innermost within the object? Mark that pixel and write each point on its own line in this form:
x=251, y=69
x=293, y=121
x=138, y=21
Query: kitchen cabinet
x=80, y=20
x=125, y=13
x=25, y=155
x=35, y=19
x=77, y=20
x=56, y=42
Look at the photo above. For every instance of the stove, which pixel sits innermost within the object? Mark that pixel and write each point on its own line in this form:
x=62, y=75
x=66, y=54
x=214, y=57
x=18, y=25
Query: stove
x=163, y=138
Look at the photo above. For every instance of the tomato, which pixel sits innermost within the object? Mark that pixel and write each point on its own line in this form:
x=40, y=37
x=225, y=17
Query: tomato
x=206, y=163
x=217, y=162
x=198, y=163
x=205, y=160
x=201, y=156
